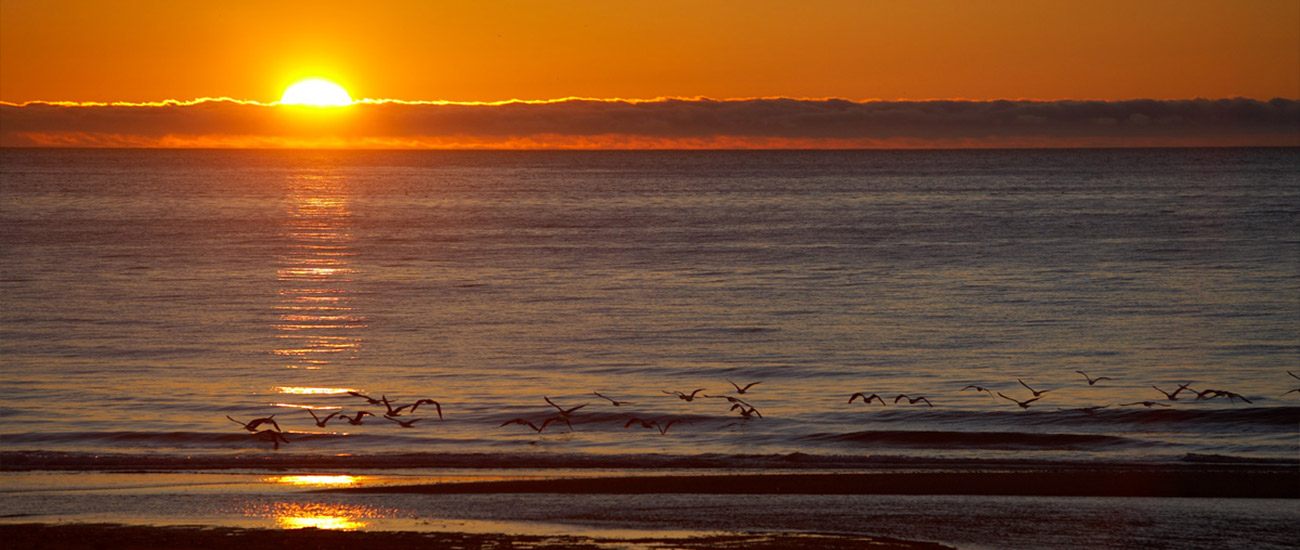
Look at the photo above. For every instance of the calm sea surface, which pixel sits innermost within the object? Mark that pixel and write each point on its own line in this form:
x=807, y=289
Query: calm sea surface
x=146, y=295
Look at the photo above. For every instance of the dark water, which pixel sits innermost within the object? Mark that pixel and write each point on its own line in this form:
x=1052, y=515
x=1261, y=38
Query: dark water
x=148, y=294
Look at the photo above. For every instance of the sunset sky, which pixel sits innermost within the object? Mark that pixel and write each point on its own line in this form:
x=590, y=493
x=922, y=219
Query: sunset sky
x=873, y=54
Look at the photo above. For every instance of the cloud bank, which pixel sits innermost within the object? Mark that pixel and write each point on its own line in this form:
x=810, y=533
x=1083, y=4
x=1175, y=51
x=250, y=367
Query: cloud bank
x=661, y=123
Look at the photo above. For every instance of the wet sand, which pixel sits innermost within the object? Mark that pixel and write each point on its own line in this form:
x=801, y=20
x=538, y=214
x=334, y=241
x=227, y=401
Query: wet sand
x=119, y=537
x=1226, y=482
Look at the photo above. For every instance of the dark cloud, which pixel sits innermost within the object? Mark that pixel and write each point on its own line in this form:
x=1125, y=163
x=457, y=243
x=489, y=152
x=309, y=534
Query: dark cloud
x=703, y=120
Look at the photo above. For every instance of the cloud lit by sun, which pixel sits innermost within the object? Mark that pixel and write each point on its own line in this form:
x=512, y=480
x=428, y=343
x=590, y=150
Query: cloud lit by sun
x=316, y=92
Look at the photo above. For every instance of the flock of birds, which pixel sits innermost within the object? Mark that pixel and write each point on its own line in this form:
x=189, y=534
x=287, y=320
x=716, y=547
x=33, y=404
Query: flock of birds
x=1038, y=394
x=267, y=428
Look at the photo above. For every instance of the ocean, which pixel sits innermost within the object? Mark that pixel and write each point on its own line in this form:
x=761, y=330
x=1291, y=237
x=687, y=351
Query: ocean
x=147, y=295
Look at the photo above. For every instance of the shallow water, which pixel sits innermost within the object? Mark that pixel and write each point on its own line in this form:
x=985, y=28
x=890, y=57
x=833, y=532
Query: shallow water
x=252, y=500
x=149, y=294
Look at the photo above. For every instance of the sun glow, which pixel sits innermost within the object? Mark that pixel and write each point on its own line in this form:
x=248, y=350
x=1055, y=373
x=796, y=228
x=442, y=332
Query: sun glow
x=316, y=93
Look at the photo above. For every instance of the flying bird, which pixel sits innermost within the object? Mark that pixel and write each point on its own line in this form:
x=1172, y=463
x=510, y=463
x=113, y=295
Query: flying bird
x=357, y=420
x=252, y=425
x=368, y=399
x=1174, y=396
x=911, y=400
x=1023, y=404
x=742, y=390
x=321, y=421
x=417, y=404
x=1037, y=393
x=747, y=413
x=684, y=397
x=1233, y=396
x=1147, y=404
x=730, y=399
x=404, y=423
x=663, y=428
x=1093, y=381
x=530, y=424
x=978, y=389
x=612, y=401
x=866, y=399
x=566, y=413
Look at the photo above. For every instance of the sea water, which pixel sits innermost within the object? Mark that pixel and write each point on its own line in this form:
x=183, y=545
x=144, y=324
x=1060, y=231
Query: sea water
x=146, y=295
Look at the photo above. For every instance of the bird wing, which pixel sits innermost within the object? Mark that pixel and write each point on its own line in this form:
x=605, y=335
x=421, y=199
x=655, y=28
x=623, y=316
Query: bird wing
x=570, y=411
x=1022, y=383
x=696, y=391
x=548, y=400
x=665, y=427
x=750, y=385
x=1007, y=398
x=900, y=396
x=857, y=395
x=927, y=401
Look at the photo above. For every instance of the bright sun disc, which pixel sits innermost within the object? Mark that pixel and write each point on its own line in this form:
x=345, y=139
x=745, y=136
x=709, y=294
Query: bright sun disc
x=316, y=93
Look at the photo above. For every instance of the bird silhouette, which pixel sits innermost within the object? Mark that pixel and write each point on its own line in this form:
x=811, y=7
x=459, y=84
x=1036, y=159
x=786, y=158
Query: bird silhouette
x=356, y=421
x=747, y=413
x=368, y=399
x=683, y=396
x=911, y=400
x=565, y=413
x=742, y=390
x=1023, y=404
x=321, y=421
x=1210, y=394
x=1093, y=381
x=404, y=423
x=866, y=399
x=1293, y=375
x=1037, y=393
x=417, y=404
x=663, y=428
x=1174, y=396
x=611, y=400
x=545, y=423
x=730, y=399
x=978, y=389
x=1147, y=404
x=252, y=425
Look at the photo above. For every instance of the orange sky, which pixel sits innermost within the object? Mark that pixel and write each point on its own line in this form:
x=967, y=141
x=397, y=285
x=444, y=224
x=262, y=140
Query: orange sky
x=491, y=51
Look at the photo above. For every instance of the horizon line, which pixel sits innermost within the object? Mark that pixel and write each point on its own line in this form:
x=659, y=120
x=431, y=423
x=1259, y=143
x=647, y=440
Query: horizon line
x=633, y=101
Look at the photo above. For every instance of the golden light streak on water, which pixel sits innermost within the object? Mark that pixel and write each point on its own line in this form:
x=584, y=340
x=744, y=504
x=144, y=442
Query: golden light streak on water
x=317, y=480
x=307, y=390
x=315, y=270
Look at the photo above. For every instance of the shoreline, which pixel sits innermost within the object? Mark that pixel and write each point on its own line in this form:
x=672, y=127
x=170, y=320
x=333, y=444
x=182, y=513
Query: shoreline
x=1272, y=483
x=131, y=537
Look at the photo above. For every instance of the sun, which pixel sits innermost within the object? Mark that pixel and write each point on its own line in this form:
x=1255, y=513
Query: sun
x=316, y=93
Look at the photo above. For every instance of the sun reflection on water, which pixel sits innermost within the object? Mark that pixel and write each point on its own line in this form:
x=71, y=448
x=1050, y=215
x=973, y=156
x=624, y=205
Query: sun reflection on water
x=317, y=323
x=339, y=517
x=317, y=480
